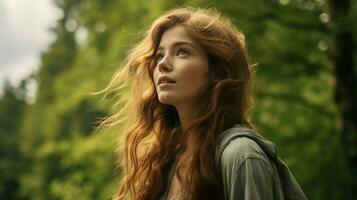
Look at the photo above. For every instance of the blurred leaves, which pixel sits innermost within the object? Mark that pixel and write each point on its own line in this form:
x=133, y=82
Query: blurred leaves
x=49, y=149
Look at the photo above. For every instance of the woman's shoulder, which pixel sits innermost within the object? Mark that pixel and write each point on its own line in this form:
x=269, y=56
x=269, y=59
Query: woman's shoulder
x=240, y=149
x=247, y=171
x=236, y=147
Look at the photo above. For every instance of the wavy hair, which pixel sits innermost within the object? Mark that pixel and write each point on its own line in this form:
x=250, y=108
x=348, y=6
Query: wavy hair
x=152, y=137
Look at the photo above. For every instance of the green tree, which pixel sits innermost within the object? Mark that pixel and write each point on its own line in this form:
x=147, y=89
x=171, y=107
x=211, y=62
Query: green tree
x=12, y=105
x=342, y=55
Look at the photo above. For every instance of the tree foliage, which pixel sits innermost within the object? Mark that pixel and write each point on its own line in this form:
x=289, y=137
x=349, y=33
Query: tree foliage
x=50, y=150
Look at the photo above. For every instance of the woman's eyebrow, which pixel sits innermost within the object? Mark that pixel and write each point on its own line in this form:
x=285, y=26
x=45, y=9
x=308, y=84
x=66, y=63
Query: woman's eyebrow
x=179, y=44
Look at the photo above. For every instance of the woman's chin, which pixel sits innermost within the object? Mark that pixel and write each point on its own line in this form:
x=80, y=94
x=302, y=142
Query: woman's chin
x=165, y=101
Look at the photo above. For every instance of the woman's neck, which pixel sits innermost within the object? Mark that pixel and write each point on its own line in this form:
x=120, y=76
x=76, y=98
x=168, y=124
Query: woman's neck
x=187, y=115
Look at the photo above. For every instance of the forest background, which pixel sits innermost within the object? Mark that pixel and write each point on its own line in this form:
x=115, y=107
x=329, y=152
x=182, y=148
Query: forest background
x=305, y=98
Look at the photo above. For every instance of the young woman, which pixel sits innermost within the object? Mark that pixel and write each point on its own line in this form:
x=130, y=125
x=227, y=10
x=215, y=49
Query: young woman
x=190, y=81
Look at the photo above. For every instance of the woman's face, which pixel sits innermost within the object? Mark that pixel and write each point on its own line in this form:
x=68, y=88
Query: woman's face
x=181, y=68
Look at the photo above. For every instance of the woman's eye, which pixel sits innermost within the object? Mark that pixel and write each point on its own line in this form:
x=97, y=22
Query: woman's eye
x=158, y=56
x=182, y=51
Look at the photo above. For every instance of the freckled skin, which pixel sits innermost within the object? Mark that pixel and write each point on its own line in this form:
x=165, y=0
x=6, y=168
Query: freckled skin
x=180, y=58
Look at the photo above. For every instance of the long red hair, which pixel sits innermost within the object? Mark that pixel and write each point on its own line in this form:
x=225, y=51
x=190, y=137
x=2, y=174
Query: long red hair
x=152, y=136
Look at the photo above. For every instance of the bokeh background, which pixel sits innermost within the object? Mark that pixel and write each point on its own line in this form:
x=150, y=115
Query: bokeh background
x=306, y=95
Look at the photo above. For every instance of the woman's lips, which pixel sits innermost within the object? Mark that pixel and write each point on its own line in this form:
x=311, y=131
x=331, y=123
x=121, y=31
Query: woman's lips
x=165, y=80
x=163, y=85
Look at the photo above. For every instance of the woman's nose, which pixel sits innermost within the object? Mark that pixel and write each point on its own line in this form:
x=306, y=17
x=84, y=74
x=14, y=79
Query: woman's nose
x=164, y=65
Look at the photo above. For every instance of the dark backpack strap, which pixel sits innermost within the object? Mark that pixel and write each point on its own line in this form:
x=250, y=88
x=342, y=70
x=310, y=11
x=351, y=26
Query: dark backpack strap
x=291, y=189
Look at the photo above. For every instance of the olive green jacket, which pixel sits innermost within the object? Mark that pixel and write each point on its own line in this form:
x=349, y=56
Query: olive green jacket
x=251, y=168
x=248, y=173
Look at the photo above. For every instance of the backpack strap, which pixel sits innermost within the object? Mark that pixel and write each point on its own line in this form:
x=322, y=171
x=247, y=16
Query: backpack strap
x=291, y=189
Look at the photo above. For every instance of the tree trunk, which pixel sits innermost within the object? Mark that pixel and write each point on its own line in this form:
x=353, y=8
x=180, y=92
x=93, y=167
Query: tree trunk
x=341, y=54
